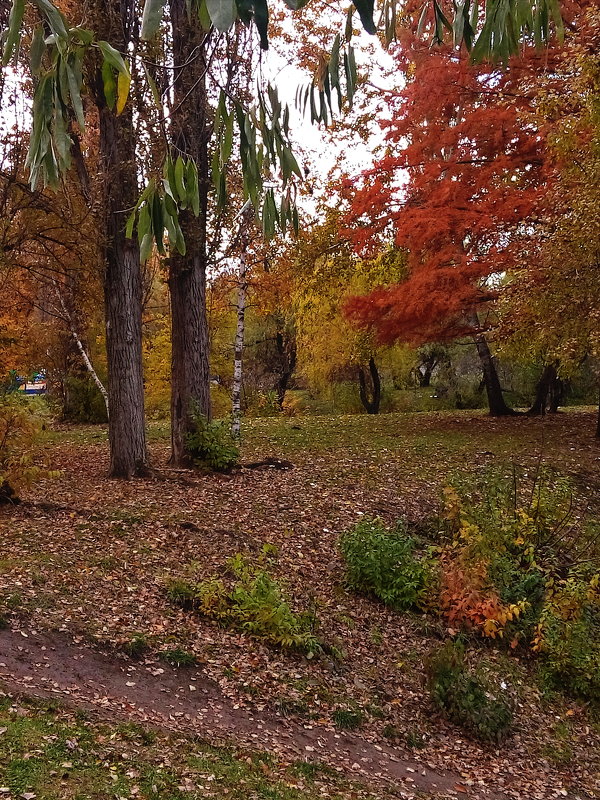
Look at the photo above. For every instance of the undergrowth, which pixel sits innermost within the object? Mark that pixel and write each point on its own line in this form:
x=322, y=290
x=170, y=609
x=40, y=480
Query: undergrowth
x=253, y=602
x=464, y=698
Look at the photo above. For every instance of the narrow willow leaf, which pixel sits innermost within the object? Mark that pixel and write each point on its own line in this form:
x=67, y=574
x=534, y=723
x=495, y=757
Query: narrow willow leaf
x=109, y=85
x=158, y=223
x=179, y=174
x=223, y=13
x=38, y=47
x=145, y=247
x=193, y=193
x=152, y=17
x=365, y=10
x=74, y=91
x=123, y=84
x=348, y=29
x=14, y=30
x=114, y=58
x=154, y=89
x=55, y=19
x=261, y=20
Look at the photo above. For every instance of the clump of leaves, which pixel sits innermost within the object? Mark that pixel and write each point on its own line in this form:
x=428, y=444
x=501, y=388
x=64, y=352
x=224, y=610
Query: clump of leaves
x=20, y=425
x=211, y=444
x=178, y=657
x=252, y=602
x=462, y=696
x=384, y=563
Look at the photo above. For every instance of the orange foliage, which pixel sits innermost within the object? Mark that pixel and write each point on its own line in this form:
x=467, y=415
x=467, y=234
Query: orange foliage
x=464, y=174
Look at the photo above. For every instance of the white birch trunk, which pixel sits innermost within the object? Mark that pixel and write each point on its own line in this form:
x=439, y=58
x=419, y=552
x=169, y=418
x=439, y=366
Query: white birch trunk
x=236, y=390
x=86, y=359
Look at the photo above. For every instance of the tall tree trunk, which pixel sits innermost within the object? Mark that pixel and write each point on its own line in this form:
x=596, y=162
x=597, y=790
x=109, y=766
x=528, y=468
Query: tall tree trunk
x=493, y=388
x=122, y=277
x=371, y=406
x=238, y=349
x=190, y=134
x=287, y=356
x=543, y=389
x=598, y=422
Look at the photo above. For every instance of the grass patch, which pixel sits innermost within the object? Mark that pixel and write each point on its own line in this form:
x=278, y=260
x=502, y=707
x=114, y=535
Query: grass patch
x=53, y=753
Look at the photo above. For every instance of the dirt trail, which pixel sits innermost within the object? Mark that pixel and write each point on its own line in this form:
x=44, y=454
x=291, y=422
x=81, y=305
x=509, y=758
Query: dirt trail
x=51, y=665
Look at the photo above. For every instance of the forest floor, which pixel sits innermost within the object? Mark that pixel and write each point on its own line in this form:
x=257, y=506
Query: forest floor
x=83, y=569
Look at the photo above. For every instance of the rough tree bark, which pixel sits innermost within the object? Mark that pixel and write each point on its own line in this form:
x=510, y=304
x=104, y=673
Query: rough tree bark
x=371, y=405
x=114, y=22
x=190, y=135
x=544, y=391
x=287, y=358
x=497, y=405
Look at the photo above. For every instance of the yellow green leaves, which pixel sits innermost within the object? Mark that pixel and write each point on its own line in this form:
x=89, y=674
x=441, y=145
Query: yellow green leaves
x=115, y=92
x=157, y=210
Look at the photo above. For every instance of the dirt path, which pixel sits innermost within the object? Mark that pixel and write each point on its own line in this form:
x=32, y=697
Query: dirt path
x=51, y=665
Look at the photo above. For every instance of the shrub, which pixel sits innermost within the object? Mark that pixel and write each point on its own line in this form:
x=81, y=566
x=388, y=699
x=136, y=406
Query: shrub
x=178, y=657
x=253, y=603
x=83, y=401
x=136, y=646
x=462, y=696
x=568, y=636
x=347, y=718
x=211, y=445
x=520, y=564
x=384, y=564
x=20, y=425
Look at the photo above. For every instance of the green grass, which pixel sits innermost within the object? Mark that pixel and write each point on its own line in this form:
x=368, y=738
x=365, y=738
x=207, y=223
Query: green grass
x=54, y=753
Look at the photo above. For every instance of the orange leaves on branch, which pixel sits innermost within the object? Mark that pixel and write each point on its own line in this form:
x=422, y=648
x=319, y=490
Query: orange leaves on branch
x=459, y=185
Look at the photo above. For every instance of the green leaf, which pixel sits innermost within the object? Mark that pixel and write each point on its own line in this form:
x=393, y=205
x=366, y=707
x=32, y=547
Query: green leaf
x=365, y=10
x=114, y=58
x=109, y=85
x=223, y=13
x=55, y=19
x=14, y=30
x=348, y=29
x=145, y=247
x=179, y=174
x=158, y=223
x=74, y=91
x=38, y=47
x=153, y=89
x=152, y=17
x=191, y=179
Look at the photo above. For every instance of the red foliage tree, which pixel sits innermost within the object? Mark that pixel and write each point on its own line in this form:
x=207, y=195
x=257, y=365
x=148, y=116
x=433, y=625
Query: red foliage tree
x=464, y=172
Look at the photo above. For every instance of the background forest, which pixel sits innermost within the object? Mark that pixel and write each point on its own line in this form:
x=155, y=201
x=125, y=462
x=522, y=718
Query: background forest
x=299, y=399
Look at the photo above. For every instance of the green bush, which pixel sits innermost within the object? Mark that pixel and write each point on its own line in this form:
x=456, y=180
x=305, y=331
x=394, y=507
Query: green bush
x=83, y=401
x=211, y=445
x=384, y=564
x=568, y=637
x=253, y=603
x=178, y=657
x=20, y=426
x=463, y=698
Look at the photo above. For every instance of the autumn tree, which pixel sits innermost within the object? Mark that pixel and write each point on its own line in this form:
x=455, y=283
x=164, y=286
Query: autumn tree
x=459, y=185
x=551, y=306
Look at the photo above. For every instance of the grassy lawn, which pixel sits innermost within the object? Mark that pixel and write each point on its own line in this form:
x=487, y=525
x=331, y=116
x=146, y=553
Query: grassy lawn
x=94, y=556
x=48, y=752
